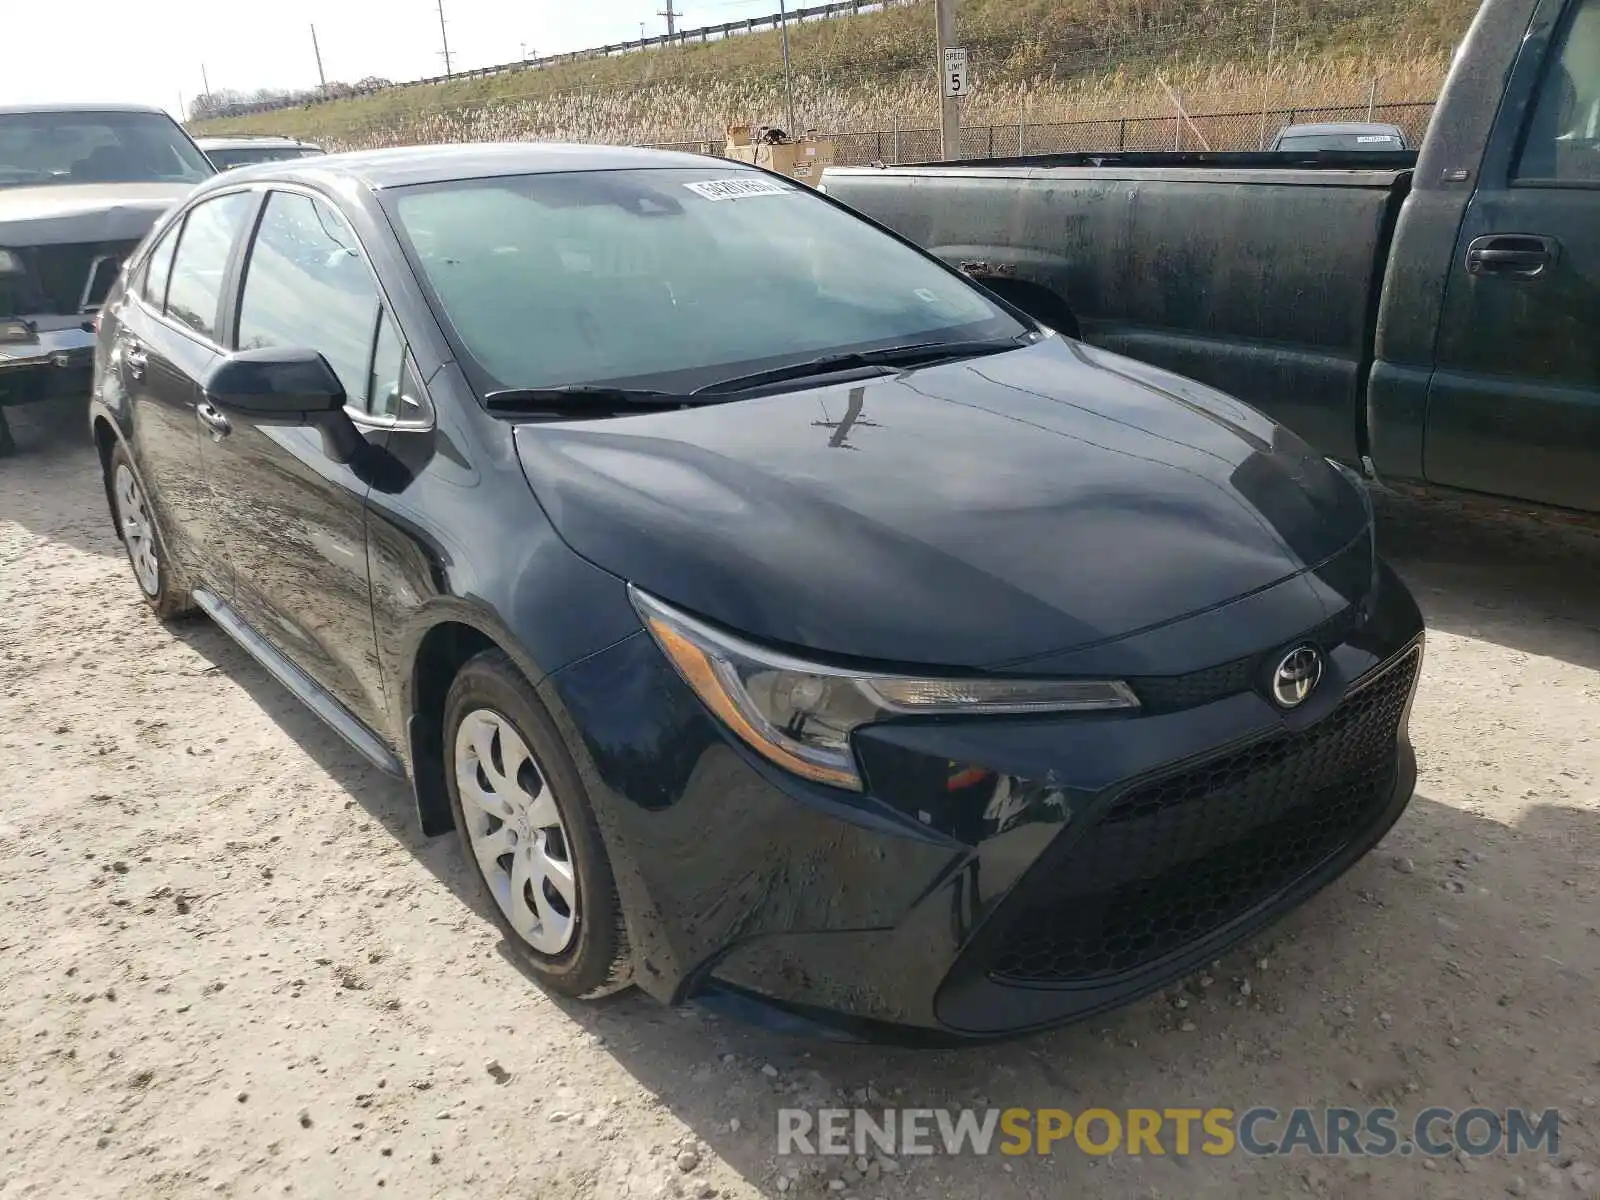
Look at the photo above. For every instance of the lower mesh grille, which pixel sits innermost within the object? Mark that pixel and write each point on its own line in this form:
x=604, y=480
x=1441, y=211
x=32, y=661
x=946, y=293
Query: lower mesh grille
x=1178, y=858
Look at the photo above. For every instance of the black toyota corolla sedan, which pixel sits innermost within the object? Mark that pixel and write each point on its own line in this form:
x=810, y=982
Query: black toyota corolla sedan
x=779, y=619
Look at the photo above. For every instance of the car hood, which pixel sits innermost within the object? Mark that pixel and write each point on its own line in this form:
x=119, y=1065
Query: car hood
x=84, y=212
x=973, y=514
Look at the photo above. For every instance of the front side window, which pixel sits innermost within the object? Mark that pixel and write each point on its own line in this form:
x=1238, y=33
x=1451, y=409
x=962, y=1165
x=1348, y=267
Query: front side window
x=668, y=278
x=45, y=148
x=194, y=291
x=158, y=267
x=1562, y=144
x=306, y=286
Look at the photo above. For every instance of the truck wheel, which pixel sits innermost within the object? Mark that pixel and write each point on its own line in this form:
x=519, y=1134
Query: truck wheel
x=136, y=526
x=529, y=833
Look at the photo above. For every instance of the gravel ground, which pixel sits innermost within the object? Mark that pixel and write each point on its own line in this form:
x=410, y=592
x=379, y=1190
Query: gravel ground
x=230, y=965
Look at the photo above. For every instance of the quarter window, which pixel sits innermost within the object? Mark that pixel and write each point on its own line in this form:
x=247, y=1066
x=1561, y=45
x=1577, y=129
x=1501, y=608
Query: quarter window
x=1563, y=141
x=394, y=392
x=306, y=286
x=194, y=292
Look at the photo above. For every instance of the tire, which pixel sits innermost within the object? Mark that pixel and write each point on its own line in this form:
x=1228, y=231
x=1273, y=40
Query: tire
x=515, y=789
x=162, y=586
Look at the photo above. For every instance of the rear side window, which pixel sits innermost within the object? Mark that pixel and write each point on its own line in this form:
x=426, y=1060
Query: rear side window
x=153, y=287
x=1563, y=139
x=306, y=286
x=194, y=292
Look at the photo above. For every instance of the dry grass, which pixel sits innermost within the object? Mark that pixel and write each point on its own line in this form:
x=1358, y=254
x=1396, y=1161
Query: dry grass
x=1045, y=61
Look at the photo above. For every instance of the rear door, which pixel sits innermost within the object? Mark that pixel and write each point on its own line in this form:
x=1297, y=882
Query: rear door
x=295, y=520
x=166, y=341
x=1514, y=406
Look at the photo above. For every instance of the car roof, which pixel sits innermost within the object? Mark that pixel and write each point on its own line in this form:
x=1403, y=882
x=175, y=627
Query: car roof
x=7, y=110
x=246, y=143
x=1340, y=127
x=403, y=166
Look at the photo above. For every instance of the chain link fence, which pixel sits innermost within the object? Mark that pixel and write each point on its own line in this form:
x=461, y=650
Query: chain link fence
x=1194, y=131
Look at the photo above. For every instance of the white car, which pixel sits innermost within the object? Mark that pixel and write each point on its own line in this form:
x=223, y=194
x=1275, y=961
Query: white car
x=229, y=152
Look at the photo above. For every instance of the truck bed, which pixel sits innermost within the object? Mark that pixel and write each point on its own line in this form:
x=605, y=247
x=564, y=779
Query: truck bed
x=1211, y=160
x=1259, y=274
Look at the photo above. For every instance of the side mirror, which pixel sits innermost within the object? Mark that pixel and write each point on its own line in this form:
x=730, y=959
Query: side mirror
x=290, y=384
x=286, y=386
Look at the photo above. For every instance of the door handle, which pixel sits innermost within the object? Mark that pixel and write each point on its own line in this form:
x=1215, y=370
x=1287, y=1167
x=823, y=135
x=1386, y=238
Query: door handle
x=1512, y=255
x=213, y=420
x=134, y=355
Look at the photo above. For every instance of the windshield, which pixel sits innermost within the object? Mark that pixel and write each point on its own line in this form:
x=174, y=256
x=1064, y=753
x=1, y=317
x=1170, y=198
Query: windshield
x=1342, y=141
x=96, y=147
x=226, y=159
x=669, y=279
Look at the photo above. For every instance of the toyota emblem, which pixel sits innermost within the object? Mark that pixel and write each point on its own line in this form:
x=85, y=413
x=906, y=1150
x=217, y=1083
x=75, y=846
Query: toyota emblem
x=1297, y=676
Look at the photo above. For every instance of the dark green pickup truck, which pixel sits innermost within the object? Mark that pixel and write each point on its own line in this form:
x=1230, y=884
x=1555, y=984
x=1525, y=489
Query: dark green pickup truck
x=1434, y=316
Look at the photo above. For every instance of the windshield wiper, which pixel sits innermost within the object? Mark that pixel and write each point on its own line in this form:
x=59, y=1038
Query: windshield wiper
x=581, y=397
x=889, y=356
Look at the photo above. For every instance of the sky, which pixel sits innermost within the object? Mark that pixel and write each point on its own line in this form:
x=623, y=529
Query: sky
x=95, y=51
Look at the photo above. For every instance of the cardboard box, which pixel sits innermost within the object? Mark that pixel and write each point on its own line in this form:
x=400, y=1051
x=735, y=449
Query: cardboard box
x=802, y=159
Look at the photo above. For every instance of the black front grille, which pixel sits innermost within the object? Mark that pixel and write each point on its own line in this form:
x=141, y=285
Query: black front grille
x=1172, y=693
x=62, y=274
x=1178, y=858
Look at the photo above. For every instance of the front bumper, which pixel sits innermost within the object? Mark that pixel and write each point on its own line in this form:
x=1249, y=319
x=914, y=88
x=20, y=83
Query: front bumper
x=55, y=361
x=1002, y=875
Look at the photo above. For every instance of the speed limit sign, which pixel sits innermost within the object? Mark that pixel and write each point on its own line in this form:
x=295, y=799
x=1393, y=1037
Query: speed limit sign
x=956, y=82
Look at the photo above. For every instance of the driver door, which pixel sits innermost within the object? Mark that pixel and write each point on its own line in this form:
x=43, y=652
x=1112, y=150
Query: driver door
x=1514, y=406
x=295, y=519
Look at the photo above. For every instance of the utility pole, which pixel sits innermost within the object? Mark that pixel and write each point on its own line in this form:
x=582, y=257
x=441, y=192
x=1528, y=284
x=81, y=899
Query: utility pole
x=207, y=83
x=672, y=18
x=322, y=79
x=1266, y=86
x=788, y=76
x=444, y=38
x=950, y=101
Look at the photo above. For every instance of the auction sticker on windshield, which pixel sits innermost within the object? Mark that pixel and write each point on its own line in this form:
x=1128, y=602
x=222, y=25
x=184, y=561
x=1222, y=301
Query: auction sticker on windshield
x=738, y=189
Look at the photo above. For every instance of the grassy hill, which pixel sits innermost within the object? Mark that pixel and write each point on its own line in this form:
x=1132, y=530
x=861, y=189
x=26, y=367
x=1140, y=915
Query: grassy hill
x=1034, y=62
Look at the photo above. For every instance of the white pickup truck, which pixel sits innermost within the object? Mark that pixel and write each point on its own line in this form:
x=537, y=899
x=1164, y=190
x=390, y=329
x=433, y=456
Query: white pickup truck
x=80, y=185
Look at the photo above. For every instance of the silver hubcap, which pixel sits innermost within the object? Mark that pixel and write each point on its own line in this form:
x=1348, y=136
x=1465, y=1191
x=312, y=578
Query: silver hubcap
x=516, y=831
x=136, y=530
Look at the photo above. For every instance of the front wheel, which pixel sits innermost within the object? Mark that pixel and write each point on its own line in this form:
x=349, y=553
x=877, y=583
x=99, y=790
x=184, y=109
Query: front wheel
x=529, y=833
x=137, y=527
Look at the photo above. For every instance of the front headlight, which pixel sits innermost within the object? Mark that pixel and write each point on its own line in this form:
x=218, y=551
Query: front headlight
x=800, y=715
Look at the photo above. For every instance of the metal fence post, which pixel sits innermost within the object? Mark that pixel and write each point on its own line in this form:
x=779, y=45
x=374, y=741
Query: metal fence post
x=991, y=141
